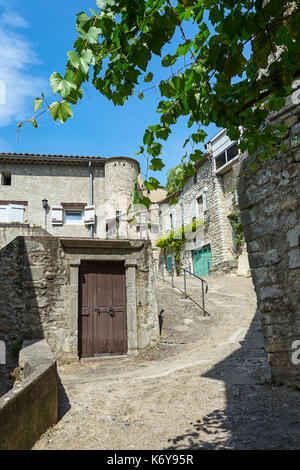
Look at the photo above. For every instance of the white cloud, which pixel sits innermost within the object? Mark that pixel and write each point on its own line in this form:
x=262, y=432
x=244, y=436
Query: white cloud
x=13, y=20
x=16, y=57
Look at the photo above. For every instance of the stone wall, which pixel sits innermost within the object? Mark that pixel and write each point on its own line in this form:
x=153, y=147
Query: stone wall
x=10, y=232
x=217, y=232
x=40, y=300
x=269, y=200
x=113, y=182
x=31, y=407
x=57, y=184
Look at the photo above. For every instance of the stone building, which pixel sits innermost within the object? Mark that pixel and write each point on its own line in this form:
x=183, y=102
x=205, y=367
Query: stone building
x=73, y=270
x=269, y=200
x=208, y=199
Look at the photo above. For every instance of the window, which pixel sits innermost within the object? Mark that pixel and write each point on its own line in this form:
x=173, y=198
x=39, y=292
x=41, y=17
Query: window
x=200, y=206
x=172, y=221
x=226, y=156
x=195, y=177
x=12, y=214
x=6, y=178
x=73, y=217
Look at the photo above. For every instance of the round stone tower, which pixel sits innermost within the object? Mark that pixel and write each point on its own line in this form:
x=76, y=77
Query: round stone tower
x=120, y=178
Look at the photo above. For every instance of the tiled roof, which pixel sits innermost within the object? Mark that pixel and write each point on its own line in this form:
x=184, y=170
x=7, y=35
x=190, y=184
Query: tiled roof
x=26, y=157
x=48, y=155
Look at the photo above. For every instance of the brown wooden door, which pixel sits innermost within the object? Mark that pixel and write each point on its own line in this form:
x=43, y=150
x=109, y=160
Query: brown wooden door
x=102, y=309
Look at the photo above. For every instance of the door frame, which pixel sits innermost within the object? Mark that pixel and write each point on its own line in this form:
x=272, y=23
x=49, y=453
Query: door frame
x=94, y=331
x=131, y=296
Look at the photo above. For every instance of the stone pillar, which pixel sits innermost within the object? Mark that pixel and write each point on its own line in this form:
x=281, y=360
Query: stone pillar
x=132, y=326
x=73, y=307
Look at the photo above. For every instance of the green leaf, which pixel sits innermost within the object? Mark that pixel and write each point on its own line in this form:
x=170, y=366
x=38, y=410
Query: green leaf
x=55, y=81
x=234, y=64
x=148, y=137
x=148, y=77
x=155, y=149
x=197, y=155
x=156, y=164
x=168, y=60
x=74, y=58
x=63, y=85
x=60, y=111
x=34, y=123
x=92, y=35
x=199, y=136
x=215, y=15
x=292, y=25
x=141, y=95
x=37, y=104
x=104, y=4
x=261, y=49
x=151, y=184
x=82, y=19
x=83, y=61
x=141, y=151
x=184, y=48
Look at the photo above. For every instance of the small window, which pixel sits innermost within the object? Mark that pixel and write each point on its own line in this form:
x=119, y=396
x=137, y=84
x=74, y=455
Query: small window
x=73, y=217
x=225, y=157
x=172, y=221
x=6, y=179
x=232, y=152
x=220, y=160
x=200, y=206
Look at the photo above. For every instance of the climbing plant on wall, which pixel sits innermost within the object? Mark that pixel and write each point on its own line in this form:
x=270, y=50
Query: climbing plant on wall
x=237, y=228
x=174, y=240
x=233, y=70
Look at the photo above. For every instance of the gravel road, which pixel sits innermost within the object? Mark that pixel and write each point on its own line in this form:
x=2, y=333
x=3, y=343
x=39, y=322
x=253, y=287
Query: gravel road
x=204, y=386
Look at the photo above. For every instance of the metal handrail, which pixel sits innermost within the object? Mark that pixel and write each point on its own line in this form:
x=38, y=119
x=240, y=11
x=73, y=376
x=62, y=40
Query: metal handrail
x=203, y=283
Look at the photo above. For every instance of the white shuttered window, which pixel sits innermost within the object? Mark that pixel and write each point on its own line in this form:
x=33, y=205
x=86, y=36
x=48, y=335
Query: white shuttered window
x=89, y=215
x=3, y=214
x=56, y=215
x=12, y=213
x=16, y=213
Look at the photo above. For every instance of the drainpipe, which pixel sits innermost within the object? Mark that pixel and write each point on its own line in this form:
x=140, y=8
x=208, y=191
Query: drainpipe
x=91, y=196
x=181, y=207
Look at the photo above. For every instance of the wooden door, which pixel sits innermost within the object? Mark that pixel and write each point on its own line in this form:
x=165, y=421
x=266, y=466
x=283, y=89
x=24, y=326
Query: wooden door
x=202, y=261
x=102, y=324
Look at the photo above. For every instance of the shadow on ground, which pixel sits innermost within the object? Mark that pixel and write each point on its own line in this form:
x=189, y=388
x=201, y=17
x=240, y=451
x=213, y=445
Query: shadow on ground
x=258, y=415
x=63, y=401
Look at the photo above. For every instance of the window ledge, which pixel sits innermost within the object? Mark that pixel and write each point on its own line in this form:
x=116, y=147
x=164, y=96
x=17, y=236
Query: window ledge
x=227, y=166
x=10, y=224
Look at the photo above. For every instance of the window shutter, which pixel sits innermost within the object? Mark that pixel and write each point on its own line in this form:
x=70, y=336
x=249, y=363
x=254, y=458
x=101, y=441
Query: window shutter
x=3, y=214
x=204, y=202
x=89, y=215
x=57, y=215
x=193, y=208
x=236, y=198
x=16, y=213
x=173, y=219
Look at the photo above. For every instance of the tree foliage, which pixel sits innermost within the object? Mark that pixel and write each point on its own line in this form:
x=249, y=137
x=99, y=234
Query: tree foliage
x=232, y=73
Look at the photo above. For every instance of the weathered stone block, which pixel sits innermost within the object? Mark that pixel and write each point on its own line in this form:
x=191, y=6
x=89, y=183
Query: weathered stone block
x=294, y=258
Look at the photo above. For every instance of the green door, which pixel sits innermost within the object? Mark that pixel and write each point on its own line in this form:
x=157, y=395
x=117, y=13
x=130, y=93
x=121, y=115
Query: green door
x=202, y=261
x=170, y=263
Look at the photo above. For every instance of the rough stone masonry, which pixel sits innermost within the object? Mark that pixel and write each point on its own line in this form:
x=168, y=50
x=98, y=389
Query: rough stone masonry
x=269, y=200
x=39, y=294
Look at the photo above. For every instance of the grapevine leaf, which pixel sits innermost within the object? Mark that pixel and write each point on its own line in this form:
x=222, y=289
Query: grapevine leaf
x=37, y=104
x=60, y=111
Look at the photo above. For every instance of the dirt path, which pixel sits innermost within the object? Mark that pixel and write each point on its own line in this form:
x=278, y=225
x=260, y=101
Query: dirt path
x=204, y=386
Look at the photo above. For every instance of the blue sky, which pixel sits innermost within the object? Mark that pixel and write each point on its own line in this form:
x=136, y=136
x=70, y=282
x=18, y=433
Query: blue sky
x=34, y=39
